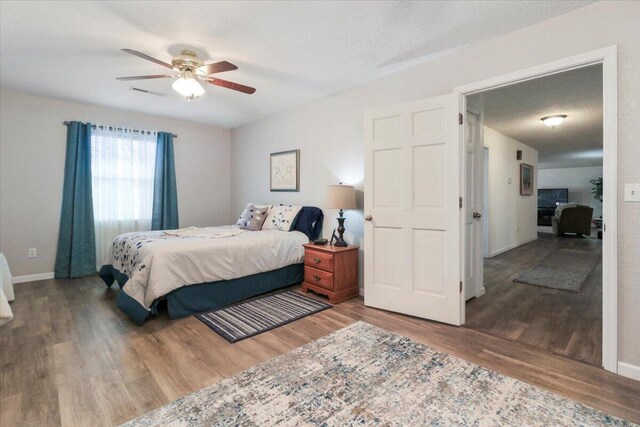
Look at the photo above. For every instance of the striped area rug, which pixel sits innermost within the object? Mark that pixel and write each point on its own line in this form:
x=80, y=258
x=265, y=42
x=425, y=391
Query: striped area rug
x=244, y=320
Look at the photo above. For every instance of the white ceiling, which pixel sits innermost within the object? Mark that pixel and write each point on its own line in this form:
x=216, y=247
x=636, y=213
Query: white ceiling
x=292, y=52
x=516, y=111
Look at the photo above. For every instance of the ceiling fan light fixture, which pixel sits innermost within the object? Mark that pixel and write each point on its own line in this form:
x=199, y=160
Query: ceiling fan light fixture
x=191, y=69
x=188, y=87
x=553, y=121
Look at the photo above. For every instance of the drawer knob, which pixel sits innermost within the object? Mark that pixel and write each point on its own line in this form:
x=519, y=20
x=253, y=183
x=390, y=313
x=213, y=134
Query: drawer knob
x=317, y=278
x=368, y=217
x=317, y=260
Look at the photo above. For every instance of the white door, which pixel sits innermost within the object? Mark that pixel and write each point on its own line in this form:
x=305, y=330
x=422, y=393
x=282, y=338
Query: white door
x=412, y=189
x=473, y=207
x=485, y=205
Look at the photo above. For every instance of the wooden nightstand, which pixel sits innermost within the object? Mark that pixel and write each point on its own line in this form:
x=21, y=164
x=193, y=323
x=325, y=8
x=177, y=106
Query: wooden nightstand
x=332, y=271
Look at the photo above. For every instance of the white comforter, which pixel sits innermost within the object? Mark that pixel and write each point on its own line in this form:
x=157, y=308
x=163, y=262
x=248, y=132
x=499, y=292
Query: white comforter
x=157, y=262
x=6, y=291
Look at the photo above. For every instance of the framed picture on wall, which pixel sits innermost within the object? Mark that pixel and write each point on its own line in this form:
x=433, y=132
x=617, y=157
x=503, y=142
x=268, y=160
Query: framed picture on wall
x=526, y=179
x=285, y=171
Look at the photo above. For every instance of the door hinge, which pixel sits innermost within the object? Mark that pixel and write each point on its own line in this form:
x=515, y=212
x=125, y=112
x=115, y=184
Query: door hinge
x=460, y=118
x=461, y=286
x=460, y=202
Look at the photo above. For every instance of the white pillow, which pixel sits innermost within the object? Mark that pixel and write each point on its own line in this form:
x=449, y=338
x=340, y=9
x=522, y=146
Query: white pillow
x=260, y=206
x=253, y=217
x=245, y=212
x=281, y=218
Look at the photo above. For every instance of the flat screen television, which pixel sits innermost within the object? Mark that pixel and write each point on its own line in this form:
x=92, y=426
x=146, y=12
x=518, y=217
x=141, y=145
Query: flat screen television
x=552, y=197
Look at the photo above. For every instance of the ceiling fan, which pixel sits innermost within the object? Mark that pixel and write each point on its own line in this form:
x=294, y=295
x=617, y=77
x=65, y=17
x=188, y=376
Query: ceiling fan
x=191, y=69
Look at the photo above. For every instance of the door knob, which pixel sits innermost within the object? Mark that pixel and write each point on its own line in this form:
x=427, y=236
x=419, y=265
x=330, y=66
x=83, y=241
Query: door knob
x=368, y=217
x=477, y=215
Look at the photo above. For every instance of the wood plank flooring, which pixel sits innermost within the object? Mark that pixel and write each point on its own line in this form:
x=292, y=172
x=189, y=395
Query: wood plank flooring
x=562, y=322
x=70, y=357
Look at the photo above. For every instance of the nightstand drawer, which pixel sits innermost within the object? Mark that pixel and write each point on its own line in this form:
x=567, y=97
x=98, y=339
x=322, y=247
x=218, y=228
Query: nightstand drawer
x=319, y=260
x=318, y=277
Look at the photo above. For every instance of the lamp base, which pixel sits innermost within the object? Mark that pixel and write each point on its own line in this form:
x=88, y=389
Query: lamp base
x=340, y=238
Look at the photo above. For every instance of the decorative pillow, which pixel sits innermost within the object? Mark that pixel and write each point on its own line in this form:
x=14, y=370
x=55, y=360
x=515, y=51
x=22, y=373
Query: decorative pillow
x=244, y=213
x=261, y=206
x=281, y=218
x=253, y=217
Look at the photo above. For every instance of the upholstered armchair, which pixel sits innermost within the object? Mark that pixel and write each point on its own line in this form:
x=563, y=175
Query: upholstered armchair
x=572, y=218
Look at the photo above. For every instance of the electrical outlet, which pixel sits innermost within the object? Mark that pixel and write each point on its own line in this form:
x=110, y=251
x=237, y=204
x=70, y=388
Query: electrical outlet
x=32, y=252
x=632, y=192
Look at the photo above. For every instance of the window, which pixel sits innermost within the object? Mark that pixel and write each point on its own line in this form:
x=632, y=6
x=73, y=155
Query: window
x=123, y=166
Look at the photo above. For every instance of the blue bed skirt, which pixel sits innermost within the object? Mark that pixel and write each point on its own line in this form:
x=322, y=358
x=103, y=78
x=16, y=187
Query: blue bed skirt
x=192, y=299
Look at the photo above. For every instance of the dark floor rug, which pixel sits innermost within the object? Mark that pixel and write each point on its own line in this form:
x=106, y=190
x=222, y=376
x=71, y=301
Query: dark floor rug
x=565, y=269
x=254, y=317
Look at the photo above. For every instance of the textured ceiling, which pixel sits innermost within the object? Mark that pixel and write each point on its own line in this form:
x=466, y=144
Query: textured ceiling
x=292, y=52
x=516, y=111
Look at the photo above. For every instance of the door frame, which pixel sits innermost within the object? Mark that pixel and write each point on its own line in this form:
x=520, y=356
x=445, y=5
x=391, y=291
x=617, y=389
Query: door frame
x=608, y=58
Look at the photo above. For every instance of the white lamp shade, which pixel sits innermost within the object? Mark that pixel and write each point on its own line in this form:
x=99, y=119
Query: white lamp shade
x=340, y=197
x=189, y=88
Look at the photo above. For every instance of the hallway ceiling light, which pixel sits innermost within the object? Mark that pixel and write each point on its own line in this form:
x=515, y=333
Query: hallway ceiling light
x=553, y=121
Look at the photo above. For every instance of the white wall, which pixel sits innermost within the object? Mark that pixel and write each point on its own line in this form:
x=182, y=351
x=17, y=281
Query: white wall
x=330, y=133
x=32, y=155
x=577, y=180
x=512, y=217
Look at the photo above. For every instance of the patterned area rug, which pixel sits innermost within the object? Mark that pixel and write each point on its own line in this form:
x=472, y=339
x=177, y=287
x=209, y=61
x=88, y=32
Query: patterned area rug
x=363, y=375
x=566, y=270
x=244, y=320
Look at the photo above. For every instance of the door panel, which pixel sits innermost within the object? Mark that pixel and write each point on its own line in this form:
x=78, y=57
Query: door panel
x=428, y=176
x=388, y=264
x=387, y=126
x=428, y=276
x=388, y=181
x=412, y=182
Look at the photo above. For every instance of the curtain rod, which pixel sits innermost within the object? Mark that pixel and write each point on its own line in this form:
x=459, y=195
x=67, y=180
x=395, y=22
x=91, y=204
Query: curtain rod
x=66, y=123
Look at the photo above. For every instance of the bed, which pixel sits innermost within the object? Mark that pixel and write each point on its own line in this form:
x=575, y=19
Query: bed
x=200, y=269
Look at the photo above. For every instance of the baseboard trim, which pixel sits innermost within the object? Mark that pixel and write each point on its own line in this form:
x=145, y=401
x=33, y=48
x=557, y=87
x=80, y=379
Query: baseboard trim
x=32, y=277
x=513, y=246
x=628, y=370
x=481, y=291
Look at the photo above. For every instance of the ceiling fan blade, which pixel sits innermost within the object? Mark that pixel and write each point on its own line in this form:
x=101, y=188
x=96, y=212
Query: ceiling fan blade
x=154, y=76
x=148, y=58
x=218, y=67
x=137, y=89
x=231, y=85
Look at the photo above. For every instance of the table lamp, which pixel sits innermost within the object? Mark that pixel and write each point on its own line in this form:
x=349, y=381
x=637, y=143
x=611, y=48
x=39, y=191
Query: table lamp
x=340, y=197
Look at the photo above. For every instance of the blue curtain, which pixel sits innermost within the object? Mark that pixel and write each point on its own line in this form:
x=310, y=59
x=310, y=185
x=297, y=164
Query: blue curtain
x=76, y=255
x=165, y=196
